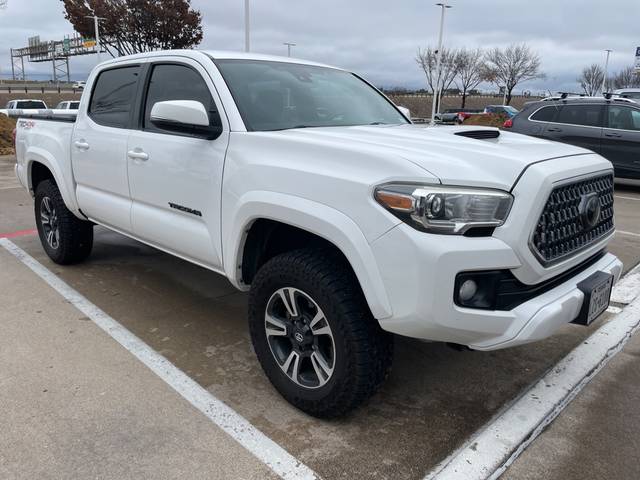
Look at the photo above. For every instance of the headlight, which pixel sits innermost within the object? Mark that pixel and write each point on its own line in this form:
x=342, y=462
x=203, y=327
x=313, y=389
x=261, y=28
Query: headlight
x=445, y=210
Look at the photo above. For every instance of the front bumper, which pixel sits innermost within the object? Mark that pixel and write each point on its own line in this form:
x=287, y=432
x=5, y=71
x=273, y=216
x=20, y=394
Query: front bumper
x=419, y=273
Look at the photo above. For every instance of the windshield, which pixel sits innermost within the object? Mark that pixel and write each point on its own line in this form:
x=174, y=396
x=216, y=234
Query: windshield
x=510, y=109
x=279, y=96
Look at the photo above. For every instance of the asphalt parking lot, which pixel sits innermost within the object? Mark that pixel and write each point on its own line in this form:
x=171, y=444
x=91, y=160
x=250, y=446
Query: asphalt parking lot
x=76, y=404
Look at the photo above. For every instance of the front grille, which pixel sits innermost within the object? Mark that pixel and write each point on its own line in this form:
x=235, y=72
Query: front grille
x=562, y=229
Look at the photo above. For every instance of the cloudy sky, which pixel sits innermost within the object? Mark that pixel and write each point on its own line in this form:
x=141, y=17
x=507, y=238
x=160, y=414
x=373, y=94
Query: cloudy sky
x=379, y=38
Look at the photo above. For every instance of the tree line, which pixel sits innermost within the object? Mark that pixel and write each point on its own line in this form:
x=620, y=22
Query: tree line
x=591, y=79
x=467, y=68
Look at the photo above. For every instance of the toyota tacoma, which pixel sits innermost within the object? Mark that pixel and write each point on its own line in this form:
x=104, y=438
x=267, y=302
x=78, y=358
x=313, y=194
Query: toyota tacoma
x=305, y=186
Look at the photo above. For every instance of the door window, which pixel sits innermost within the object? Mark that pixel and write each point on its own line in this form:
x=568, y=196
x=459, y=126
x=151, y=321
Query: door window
x=113, y=96
x=177, y=82
x=623, y=118
x=586, y=115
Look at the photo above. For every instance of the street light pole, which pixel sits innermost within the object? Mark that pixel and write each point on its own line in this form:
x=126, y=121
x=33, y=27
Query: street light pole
x=96, y=26
x=289, y=45
x=436, y=90
x=247, y=27
x=606, y=67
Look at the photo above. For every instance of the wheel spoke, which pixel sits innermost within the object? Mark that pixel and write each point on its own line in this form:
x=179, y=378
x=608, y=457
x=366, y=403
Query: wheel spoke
x=44, y=218
x=46, y=204
x=292, y=363
x=318, y=320
x=288, y=298
x=56, y=238
x=274, y=326
x=322, y=369
x=50, y=235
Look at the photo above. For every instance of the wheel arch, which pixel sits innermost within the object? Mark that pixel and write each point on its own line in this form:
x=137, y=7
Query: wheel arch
x=259, y=214
x=41, y=166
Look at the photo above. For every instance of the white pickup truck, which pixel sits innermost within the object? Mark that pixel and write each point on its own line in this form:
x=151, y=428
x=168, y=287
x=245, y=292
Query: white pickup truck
x=304, y=185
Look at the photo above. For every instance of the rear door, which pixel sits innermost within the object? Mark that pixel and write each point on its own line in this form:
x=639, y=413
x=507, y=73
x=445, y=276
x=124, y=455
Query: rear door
x=534, y=119
x=577, y=124
x=621, y=140
x=99, y=146
x=176, y=179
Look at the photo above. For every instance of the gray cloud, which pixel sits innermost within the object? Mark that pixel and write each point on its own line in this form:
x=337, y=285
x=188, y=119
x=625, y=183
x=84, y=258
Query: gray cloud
x=379, y=39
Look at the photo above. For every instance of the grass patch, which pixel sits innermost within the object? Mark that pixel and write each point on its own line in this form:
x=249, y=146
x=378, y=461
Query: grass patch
x=6, y=140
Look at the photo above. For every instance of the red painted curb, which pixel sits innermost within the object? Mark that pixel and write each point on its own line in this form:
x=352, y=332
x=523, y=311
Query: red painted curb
x=19, y=233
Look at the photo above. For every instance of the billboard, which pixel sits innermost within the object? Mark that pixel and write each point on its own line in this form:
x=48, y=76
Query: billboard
x=637, y=64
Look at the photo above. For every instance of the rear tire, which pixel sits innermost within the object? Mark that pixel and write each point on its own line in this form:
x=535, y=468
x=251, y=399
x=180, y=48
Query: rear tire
x=314, y=335
x=64, y=237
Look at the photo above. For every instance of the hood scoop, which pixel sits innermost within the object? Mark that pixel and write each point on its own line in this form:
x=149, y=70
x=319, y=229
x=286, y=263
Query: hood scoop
x=479, y=134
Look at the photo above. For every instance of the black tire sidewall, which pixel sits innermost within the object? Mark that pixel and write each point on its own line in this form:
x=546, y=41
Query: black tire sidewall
x=75, y=235
x=43, y=190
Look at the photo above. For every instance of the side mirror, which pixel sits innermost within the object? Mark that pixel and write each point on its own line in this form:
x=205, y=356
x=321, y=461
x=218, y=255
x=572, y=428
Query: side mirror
x=405, y=111
x=186, y=117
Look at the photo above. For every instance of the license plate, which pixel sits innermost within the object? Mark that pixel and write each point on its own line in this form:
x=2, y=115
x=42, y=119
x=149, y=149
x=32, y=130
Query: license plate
x=597, y=291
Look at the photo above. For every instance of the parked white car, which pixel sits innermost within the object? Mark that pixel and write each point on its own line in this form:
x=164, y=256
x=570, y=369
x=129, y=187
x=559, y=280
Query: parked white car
x=79, y=85
x=304, y=185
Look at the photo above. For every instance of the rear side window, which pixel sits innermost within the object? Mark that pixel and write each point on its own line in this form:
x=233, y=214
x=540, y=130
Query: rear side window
x=623, y=118
x=29, y=104
x=545, y=114
x=177, y=82
x=113, y=96
x=587, y=115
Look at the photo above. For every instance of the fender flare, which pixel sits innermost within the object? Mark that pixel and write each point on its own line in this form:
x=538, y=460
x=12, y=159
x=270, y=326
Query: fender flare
x=39, y=155
x=317, y=218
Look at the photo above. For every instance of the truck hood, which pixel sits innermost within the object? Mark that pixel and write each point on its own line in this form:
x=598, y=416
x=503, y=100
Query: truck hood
x=442, y=152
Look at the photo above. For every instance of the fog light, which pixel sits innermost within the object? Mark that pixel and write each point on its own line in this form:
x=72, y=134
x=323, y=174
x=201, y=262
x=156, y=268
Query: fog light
x=467, y=290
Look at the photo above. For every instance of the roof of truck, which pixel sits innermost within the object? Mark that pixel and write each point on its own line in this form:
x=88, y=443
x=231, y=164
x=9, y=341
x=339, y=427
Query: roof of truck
x=217, y=55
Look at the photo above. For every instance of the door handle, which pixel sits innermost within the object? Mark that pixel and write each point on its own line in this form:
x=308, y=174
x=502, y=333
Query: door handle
x=612, y=135
x=554, y=129
x=81, y=145
x=137, y=155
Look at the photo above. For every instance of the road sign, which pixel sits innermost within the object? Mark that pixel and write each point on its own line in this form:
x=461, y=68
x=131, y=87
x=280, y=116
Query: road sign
x=89, y=43
x=637, y=65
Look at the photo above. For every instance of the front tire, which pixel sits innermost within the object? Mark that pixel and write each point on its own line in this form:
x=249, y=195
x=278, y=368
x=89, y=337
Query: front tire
x=314, y=335
x=65, y=238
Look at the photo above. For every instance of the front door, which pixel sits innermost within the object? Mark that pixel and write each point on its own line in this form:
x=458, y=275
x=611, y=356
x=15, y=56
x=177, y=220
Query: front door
x=176, y=179
x=99, y=146
x=621, y=140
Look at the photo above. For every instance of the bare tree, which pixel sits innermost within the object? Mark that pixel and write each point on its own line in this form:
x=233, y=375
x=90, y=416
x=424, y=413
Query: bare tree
x=133, y=26
x=427, y=60
x=626, y=78
x=591, y=79
x=472, y=71
x=512, y=65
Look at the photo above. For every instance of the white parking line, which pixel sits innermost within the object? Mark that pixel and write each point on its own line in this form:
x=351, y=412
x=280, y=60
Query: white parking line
x=627, y=198
x=266, y=450
x=499, y=443
x=628, y=233
x=627, y=289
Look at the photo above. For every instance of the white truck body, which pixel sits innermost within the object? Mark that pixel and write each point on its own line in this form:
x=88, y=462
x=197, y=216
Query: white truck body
x=198, y=199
